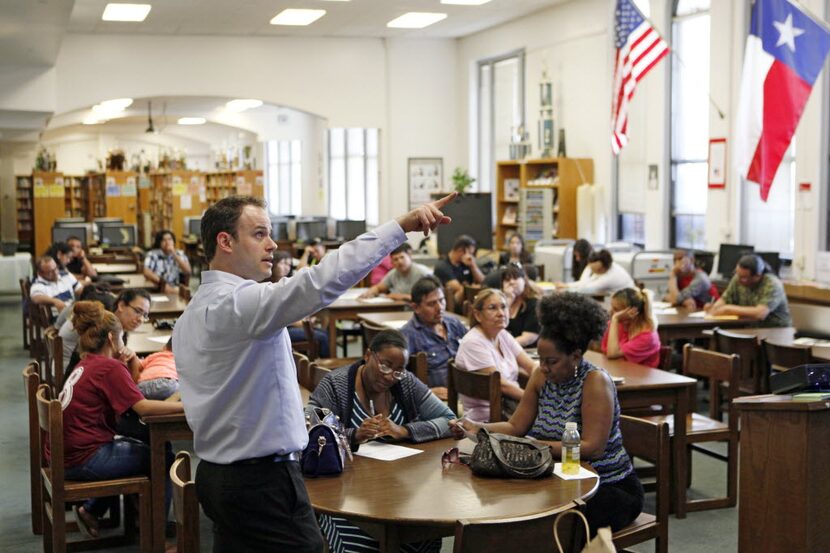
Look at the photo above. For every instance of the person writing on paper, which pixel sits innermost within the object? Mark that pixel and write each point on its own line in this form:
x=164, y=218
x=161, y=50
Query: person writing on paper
x=399, y=281
x=433, y=331
x=601, y=276
x=377, y=398
x=489, y=347
x=568, y=388
x=522, y=297
x=631, y=333
x=237, y=377
x=754, y=293
x=689, y=286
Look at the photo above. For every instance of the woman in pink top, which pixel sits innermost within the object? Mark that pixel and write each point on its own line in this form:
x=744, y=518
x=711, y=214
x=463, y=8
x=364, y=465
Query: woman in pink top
x=631, y=332
x=489, y=347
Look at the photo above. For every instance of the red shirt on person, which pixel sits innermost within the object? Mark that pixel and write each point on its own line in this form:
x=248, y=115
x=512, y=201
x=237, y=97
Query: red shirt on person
x=98, y=390
x=643, y=349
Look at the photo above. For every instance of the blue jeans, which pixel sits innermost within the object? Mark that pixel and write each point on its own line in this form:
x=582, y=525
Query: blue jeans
x=120, y=458
x=297, y=334
x=159, y=388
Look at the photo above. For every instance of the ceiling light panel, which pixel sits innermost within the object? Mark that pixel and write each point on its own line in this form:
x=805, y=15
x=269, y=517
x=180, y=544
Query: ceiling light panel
x=416, y=20
x=192, y=121
x=126, y=12
x=465, y=2
x=297, y=17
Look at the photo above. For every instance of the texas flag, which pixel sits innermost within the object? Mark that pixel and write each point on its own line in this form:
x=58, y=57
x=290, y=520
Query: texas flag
x=785, y=51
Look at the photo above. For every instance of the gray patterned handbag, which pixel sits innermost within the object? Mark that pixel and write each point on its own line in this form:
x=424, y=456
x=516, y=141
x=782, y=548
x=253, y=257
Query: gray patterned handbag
x=503, y=456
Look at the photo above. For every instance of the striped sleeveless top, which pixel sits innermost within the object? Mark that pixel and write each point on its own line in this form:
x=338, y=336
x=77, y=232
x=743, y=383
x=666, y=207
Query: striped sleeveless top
x=561, y=403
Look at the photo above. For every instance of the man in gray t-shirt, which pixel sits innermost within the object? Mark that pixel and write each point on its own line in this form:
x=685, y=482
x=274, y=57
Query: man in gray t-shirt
x=399, y=281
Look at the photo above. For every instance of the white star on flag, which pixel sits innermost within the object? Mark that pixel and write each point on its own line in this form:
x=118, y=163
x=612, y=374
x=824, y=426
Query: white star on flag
x=787, y=32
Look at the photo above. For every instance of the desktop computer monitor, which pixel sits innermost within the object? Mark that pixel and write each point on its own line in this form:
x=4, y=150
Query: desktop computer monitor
x=193, y=226
x=279, y=229
x=118, y=236
x=349, y=230
x=309, y=230
x=773, y=259
x=64, y=231
x=728, y=256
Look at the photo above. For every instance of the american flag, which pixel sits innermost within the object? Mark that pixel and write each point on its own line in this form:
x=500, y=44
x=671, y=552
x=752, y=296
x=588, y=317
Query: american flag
x=639, y=48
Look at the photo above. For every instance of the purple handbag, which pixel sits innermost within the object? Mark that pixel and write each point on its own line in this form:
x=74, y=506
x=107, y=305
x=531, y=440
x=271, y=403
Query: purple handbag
x=327, y=446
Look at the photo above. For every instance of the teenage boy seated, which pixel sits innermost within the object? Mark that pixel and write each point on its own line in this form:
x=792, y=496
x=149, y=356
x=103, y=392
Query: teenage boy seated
x=79, y=264
x=432, y=331
x=53, y=288
x=755, y=293
x=459, y=268
x=399, y=281
x=689, y=286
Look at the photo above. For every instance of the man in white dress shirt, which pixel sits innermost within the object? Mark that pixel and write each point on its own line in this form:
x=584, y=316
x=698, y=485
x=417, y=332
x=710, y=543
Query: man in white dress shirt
x=237, y=376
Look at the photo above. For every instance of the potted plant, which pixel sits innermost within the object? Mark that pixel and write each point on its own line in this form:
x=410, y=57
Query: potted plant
x=461, y=180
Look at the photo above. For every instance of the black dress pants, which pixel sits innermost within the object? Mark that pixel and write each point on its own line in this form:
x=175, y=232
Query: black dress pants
x=258, y=508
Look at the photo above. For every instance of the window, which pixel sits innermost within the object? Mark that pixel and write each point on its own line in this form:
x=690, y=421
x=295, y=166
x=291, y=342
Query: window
x=633, y=228
x=689, y=123
x=283, y=176
x=501, y=111
x=770, y=225
x=353, y=174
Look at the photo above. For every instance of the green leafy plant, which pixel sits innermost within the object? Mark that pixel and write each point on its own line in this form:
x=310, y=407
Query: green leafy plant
x=461, y=180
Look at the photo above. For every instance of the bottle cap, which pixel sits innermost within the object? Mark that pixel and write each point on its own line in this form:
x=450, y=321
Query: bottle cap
x=570, y=426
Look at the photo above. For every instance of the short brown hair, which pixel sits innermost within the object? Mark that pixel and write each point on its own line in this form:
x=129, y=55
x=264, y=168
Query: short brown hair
x=223, y=216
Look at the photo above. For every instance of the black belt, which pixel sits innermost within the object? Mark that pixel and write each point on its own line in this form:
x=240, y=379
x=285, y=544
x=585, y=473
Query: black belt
x=273, y=458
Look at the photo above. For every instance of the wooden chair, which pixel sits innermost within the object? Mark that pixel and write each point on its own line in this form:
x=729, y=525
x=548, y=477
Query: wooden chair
x=54, y=363
x=41, y=319
x=370, y=331
x=531, y=533
x=783, y=358
x=184, y=292
x=303, y=370
x=313, y=351
x=717, y=368
x=25, y=284
x=31, y=382
x=467, y=309
x=754, y=376
x=471, y=291
x=418, y=365
x=665, y=357
x=185, y=505
x=317, y=375
x=475, y=384
x=57, y=492
x=649, y=441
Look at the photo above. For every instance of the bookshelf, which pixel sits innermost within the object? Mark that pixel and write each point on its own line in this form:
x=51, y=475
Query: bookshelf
x=75, y=202
x=175, y=195
x=545, y=202
x=112, y=194
x=25, y=219
x=48, y=204
x=222, y=184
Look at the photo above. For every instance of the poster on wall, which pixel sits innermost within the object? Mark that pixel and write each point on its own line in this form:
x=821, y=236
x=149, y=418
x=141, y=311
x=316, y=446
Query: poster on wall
x=425, y=177
x=717, y=163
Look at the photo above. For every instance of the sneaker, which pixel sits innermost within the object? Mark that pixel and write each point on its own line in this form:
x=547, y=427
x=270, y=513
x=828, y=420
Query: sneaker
x=87, y=522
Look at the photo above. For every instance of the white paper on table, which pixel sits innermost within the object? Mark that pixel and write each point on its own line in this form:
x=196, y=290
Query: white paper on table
x=466, y=446
x=385, y=452
x=158, y=298
x=377, y=300
x=396, y=324
x=352, y=293
x=159, y=339
x=665, y=311
x=697, y=315
x=581, y=475
x=660, y=305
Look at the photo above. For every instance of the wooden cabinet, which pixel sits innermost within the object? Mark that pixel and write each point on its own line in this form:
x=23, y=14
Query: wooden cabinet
x=783, y=486
x=112, y=194
x=545, y=203
x=48, y=204
x=75, y=202
x=174, y=196
x=228, y=183
x=25, y=220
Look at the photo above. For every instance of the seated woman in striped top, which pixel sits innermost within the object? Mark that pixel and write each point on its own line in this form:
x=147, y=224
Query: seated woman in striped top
x=568, y=388
x=377, y=398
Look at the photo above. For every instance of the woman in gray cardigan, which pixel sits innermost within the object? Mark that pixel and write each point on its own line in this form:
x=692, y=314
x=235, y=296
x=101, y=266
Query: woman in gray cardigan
x=377, y=398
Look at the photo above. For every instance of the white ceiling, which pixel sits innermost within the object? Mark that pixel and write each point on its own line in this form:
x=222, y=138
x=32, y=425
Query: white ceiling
x=356, y=18
x=31, y=31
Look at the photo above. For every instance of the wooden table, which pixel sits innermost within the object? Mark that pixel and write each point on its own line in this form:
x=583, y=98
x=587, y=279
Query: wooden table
x=172, y=307
x=135, y=280
x=139, y=340
x=645, y=386
x=115, y=268
x=682, y=326
x=348, y=307
x=396, y=319
x=783, y=335
x=414, y=499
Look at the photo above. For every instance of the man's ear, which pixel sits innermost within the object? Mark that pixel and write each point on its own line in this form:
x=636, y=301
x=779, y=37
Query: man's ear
x=224, y=242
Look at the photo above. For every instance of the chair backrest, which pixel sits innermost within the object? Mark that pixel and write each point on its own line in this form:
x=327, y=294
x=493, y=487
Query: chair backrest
x=41, y=319
x=475, y=384
x=527, y=533
x=185, y=504
x=747, y=347
x=717, y=368
x=184, y=291
x=303, y=373
x=650, y=441
x=781, y=357
x=665, y=357
x=317, y=375
x=312, y=349
x=470, y=292
x=467, y=309
x=53, y=368
x=418, y=365
x=370, y=331
x=50, y=423
x=31, y=382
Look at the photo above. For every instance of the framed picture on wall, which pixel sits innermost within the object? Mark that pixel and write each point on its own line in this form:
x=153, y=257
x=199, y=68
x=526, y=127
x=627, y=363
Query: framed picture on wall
x=425, y=177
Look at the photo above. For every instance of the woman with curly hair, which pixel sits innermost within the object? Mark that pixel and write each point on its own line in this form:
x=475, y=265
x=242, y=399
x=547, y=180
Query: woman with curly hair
x=567, y=388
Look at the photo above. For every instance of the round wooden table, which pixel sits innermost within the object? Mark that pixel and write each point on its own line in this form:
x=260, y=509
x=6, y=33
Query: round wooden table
x=415, y=499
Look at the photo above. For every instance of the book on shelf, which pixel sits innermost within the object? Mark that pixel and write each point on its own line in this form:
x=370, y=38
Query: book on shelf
x=511, y=189
x=510, y=215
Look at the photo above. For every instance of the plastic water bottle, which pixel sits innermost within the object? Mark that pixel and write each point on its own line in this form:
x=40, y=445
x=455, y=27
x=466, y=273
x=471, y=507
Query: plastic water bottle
x=570, y=449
